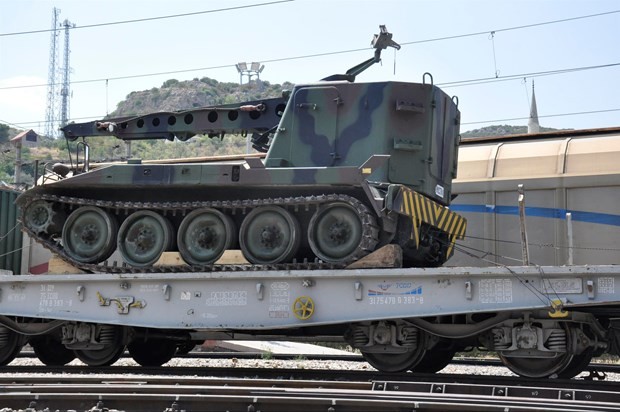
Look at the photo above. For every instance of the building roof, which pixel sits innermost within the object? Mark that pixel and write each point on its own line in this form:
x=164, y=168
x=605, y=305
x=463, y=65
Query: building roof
x=22, y=135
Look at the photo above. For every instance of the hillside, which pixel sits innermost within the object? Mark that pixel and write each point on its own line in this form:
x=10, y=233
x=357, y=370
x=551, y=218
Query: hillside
x=173, y=95
x=176, y=95
x=7, y=133
x=500, y=130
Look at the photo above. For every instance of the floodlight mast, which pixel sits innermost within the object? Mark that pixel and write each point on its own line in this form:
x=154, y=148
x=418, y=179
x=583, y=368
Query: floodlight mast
x=254, y=70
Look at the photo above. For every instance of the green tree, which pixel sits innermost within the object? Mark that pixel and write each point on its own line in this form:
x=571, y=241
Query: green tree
x=4, y=133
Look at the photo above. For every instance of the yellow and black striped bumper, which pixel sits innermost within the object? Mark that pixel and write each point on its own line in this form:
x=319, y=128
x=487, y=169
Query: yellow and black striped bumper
x=421, y=209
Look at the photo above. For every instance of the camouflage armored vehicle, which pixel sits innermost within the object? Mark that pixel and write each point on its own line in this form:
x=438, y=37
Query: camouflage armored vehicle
x=349, y=167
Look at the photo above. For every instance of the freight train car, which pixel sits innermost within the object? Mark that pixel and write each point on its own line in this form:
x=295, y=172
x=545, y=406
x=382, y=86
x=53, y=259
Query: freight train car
x=575, y=172
x=542, y=321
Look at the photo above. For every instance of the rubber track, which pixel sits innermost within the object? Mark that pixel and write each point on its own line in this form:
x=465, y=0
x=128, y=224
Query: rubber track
x=369, y=236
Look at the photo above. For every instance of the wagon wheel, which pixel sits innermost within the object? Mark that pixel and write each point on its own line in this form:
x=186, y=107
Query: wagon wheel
x=10, y=345
x=51, y=351
x=204, y=235
x=89, y=235
x=269, y=235
x=537, y=367
x=143, y=237
x=434, y=360
x=398, y=362
x=543, y=367
x=395, y=362
x=152, y=352
x=577, y=364
x=113, y=338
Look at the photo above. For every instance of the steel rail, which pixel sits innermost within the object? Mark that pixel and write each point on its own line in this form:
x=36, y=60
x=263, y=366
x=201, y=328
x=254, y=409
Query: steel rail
x=465, y=361
x=191, y=394
x=193, y=374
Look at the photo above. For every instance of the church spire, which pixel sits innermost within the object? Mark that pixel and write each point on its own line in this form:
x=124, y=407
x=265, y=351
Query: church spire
x=532, y=125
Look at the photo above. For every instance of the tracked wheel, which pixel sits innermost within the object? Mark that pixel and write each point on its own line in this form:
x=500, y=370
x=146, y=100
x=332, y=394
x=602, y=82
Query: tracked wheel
x=143, y=237
x=269, y=235
x=204, y=235
x=89, y=234
x=340, y=232
x=40, y=217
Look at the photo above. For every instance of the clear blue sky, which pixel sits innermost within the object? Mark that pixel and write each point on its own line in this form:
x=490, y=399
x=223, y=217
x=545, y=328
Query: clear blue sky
x=307, y=27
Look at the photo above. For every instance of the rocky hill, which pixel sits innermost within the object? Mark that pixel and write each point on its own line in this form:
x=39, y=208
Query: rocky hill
x=500, y=130
x=176, y=95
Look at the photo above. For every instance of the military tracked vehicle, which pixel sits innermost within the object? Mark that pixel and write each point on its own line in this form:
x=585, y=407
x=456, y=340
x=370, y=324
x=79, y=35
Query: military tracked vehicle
x=349, y=167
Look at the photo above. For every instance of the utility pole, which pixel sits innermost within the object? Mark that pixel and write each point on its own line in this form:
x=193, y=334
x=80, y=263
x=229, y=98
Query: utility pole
x=18, y=163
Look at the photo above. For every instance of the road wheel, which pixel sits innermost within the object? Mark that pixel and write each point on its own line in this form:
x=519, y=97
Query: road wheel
x=204, y=235
x=89, y=234
x=269, y=235
x=340, y=232
x=143, y=237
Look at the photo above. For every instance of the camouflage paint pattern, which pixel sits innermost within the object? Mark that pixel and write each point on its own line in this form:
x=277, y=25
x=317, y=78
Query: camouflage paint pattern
x=229, y=118
x=391, y=145
x=343, y=124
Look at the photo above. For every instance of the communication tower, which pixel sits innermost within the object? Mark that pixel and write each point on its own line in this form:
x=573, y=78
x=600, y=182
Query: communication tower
x=53, y=102
x=58, y=85
x=66, y=70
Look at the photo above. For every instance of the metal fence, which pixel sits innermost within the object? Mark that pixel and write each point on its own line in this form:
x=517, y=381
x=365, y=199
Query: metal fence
x=10, y=232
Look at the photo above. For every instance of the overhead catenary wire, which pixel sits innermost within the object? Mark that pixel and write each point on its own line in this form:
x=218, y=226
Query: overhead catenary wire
x=102, y=116
x=543, y=116
x=169, y=16
x=520, y=76
x=525, y=26
x=308, y=56
x=460, y=83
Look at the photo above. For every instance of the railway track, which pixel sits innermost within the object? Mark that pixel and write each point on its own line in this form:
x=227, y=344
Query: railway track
x=109, y=389
x=24, y=386
x=593, y=368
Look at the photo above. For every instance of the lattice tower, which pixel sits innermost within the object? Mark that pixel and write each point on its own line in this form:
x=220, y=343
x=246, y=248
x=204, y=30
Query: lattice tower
x=65, y=90
x=53, y=77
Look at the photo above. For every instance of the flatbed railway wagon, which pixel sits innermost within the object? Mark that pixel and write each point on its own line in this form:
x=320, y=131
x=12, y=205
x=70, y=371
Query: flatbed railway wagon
x=346, y=224
x=542, y=321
